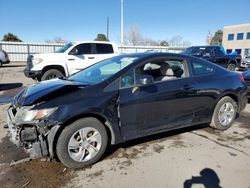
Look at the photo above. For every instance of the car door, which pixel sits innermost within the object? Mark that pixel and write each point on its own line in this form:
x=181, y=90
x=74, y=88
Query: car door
x=205, y=83
x=154, y=108
x=80, y=57
x=220, y=57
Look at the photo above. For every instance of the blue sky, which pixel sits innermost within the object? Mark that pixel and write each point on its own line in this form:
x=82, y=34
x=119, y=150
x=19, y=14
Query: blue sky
x=36, y=21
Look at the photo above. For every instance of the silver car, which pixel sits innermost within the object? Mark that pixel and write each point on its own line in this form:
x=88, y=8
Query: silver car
x=245, y=63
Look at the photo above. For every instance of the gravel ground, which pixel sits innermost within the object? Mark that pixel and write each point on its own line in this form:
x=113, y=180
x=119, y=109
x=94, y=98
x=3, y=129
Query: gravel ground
x=197, y=156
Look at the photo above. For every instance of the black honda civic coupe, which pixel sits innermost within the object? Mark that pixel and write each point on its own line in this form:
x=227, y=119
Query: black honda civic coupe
x=122, y=98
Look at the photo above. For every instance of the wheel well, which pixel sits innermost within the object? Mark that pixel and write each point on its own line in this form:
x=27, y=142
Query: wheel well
x=232, y=62
x=109, y=130
x=58, y=67
x=234, y=97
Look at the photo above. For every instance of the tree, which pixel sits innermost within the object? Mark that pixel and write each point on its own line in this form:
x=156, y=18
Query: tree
x=209, y=38
x=101, y=37
x=164, y=43
x=217, y=38
x=149, y=42
x=11, y=37
x=134, y=37
x=178, y=41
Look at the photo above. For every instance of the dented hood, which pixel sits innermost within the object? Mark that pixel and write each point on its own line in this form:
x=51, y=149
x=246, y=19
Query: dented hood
x=39, y=91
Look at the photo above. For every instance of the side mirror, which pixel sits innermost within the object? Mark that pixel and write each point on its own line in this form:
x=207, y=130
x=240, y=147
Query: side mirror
x=74, y=52
x=144, y=79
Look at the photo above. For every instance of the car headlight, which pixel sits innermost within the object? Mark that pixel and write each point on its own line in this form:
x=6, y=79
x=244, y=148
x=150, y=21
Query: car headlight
x=37, y=60
x=38, y=114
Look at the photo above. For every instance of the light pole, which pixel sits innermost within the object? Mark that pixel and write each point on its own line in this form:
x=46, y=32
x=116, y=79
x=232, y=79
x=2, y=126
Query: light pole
x=107, y=27
x=121, y=22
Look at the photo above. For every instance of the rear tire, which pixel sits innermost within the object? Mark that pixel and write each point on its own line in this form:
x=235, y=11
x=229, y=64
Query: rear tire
x=1, y=64
x=231, y=66
x=224, y=113
x=51, y=74
x=82, y=143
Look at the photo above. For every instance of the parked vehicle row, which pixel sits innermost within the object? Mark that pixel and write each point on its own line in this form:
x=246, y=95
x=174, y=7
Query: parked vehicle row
x=69, y=59
x=217, y=55
x=122, y=98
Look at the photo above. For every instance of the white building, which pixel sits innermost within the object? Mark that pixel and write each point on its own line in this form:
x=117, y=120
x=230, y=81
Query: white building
x=237, y=38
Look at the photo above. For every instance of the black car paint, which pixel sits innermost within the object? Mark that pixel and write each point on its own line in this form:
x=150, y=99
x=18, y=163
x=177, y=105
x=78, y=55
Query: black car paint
x=218, y=57
x=246, y=76
x=130, y=113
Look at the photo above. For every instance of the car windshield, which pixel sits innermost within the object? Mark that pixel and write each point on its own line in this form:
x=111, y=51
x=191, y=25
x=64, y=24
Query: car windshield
x=103, y=70
x=64, y=48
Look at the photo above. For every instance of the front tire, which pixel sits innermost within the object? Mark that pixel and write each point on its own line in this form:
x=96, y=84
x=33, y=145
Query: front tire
x=224, y=113
x=82, y=143
x=231, y=66
x=51, y=74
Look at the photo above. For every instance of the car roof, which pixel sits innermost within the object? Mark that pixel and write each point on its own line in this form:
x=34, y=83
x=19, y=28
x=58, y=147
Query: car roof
x=155, y=54
x=93, y=41
x=204, y=46
x=147, y=55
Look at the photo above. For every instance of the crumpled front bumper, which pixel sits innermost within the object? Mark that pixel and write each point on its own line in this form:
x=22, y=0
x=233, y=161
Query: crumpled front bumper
x=26, y=136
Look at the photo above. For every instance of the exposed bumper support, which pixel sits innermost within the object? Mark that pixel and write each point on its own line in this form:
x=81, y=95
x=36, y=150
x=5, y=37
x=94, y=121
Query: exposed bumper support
x=36, y=143
x=32, y=74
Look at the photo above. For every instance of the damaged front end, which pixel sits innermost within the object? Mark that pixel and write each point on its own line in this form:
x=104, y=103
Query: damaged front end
x=31, y=130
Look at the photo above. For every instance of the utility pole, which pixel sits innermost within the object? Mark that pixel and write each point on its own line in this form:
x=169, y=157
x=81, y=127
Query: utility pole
x=121, y=22
x=107, y=27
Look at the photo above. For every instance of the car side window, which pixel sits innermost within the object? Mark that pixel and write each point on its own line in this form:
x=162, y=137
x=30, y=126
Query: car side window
x=200, y=68
x=209, y=52
x=163, y=69
x=82, y=49
x=128, y=79
x=104, y=49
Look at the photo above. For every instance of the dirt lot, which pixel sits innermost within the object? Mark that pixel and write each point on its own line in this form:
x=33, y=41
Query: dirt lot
x=197, y=156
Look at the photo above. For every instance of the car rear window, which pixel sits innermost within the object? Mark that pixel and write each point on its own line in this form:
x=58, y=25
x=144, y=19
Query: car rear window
x=104, y=49
x=201, y=68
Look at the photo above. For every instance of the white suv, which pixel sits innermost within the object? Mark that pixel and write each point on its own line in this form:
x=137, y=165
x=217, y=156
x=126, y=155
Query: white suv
x=68, y=59
x=4, y=58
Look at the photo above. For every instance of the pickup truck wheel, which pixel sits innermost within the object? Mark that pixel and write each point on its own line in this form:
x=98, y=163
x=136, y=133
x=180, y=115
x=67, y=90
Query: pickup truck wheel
x=52, y=73
x=82, y=143
x=224, y=113
x=1, y=64
x=231, y=66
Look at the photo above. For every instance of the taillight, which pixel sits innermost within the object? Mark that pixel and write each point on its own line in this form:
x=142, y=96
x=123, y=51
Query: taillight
x=242, y=78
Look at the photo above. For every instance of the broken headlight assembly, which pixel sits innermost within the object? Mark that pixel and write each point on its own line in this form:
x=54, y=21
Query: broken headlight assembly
x=31, y=115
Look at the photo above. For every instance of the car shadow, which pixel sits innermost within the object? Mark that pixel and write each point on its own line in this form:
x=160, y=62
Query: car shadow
x=12, y=90
x=10, y=66
x=10, y=86
x=113, y=148
x=208, y=178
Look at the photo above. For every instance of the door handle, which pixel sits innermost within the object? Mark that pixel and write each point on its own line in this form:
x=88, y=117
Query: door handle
x=72, y=59
x=91, y=57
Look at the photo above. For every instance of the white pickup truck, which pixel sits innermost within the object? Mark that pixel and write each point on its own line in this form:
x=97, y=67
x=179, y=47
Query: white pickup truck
x=68, y=59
